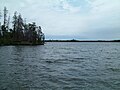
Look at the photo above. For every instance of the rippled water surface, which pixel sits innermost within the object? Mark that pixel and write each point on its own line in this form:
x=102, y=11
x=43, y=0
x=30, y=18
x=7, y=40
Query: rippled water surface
x=61, y=66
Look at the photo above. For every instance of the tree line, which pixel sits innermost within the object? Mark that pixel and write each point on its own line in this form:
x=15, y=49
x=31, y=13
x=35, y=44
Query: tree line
x=21, y=32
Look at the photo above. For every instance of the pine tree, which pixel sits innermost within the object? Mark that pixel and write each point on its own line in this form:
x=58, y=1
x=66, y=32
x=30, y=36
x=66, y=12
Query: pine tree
x=14, y=25
x=20, y=27
x=5, y=16
x=0, y=24
x=8, y=23
x=15, y=21
x=21, y=32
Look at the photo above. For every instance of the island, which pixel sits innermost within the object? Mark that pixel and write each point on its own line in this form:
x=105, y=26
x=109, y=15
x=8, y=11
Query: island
x=19, y=32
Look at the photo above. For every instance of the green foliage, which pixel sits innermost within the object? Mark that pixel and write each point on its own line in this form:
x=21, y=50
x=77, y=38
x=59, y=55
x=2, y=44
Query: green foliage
x=21, y=33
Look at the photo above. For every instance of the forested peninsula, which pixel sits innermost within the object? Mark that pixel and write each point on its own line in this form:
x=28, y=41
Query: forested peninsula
x=18, y=32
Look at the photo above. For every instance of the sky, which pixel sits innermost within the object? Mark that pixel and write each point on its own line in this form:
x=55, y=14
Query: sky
x=71, y=19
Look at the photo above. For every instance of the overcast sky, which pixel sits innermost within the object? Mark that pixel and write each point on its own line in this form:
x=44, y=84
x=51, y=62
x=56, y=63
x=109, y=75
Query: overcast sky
x=71, y=19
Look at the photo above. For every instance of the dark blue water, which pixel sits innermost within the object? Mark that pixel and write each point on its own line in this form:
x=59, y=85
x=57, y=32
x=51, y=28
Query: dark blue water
x=61, y=66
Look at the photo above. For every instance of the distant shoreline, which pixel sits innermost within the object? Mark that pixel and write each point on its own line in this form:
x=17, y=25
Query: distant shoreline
x=31, y=44
x=82, y=40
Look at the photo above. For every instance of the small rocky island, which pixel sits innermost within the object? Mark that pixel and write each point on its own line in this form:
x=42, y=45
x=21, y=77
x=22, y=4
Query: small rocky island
x=18, y=32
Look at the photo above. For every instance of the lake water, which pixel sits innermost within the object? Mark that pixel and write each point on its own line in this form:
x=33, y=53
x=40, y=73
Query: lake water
x=61, y=66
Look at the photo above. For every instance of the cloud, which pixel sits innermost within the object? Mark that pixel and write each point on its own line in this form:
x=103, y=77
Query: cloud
x=79, y=18
x=67, y=6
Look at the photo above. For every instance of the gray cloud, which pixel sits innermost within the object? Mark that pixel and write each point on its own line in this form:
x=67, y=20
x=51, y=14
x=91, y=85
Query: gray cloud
x=87, y=19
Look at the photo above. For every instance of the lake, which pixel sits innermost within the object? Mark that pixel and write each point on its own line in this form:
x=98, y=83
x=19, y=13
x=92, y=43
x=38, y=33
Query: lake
x=61, y=66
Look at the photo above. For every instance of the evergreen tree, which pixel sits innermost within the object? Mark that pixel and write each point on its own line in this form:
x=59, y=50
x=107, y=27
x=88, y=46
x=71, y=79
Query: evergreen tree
x=5, y=16
x=8, y=23
x=3, y=27
x=20, y=27
x=0, y=25
x=14, y=25
x=15, y=21
x=21, y=32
